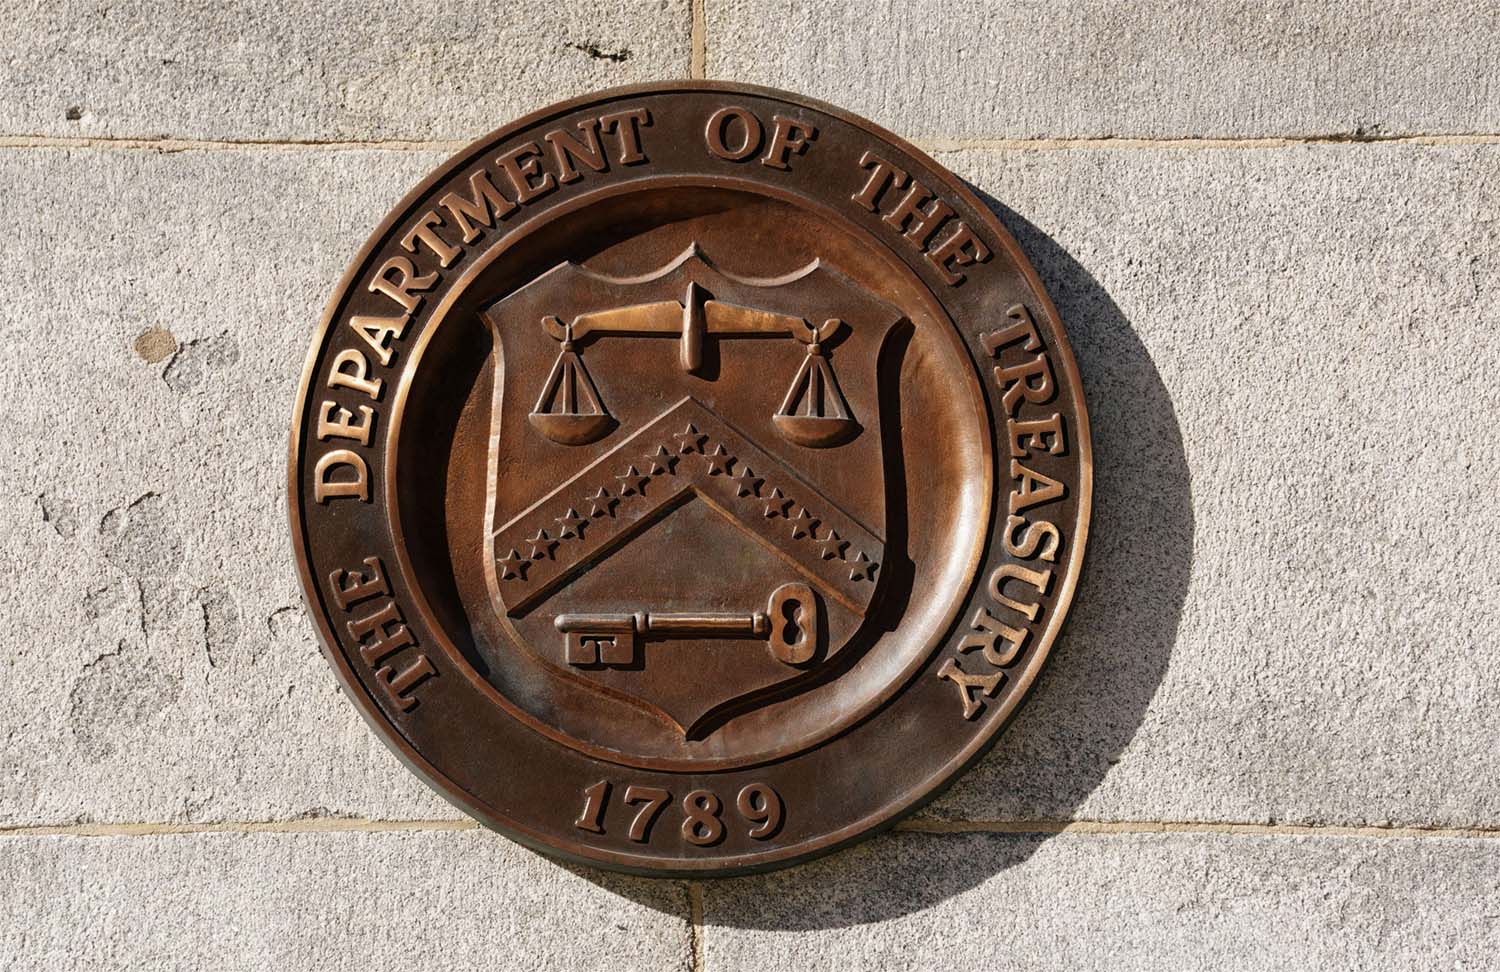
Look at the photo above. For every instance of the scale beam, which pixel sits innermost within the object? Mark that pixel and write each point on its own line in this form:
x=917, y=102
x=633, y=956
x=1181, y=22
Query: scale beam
x=813, y=414
x=690, y=320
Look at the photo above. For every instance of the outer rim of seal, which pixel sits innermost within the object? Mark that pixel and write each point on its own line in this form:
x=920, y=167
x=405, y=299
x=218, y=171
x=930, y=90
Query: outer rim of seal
x=890, y=814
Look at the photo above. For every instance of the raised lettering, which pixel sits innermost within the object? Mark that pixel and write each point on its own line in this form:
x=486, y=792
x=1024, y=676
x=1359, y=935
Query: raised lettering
x=377, y=330
x=1031, y=380
x=627, y=125
x=381, y=633
x=595, y=799
x=522, y=164
x=389, y=629
x=988, y=633
x=1036, y=533
x=924, y=222
x=653, y=798
x=762, y=806
x=401, y=290
x=1023, y=329
x=1037, y=579
x=397, y=685
x=350, y=586
x=485, y=205
x=788, y=137
x=1035, y=488
x=917, y=225
x=961, y=249
x=342, y=426
x=425, y=235
x=325, y=487
x=882, y=174
x=359, y=378
x=750, y=135
x=566, y=149
x=967, y=684
x=1029, y=436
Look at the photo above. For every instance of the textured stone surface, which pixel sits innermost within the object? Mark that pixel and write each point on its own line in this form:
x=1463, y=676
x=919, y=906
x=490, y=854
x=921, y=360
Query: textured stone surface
x=315, y=71
x=1102, y=68
x=333, y=901
x=1289, y=610
x=157, y=658
x=1117, y=902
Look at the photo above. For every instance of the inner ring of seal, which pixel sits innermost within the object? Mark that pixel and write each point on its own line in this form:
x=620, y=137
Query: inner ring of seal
x=952, y=585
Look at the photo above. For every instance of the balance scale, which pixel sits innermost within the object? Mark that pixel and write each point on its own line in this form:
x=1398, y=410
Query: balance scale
x=814, y=412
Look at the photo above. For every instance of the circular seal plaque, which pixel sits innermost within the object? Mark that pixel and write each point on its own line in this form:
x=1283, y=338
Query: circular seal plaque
x=689, y=479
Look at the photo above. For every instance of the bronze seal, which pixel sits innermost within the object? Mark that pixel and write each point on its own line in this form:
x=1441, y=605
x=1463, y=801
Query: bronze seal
x=689, y=479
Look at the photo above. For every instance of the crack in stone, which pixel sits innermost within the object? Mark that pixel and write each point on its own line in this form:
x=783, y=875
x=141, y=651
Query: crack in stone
x=221, y=620
x=195, y=362
x=60, y=514
x=599, y=54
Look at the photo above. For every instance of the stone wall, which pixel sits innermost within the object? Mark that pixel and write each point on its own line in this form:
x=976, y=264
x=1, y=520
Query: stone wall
x=1270, y=737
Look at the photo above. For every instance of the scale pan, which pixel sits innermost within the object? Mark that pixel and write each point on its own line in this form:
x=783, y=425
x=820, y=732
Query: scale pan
x=816, y=431
x=572, y=429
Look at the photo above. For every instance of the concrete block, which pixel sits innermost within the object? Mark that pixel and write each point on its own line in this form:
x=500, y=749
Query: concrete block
x=158, y=660
x=1118, y=903
x=1289, y=610
x=311, y=71
x=1104, y=69
x=330, y=901
x=1287, y=615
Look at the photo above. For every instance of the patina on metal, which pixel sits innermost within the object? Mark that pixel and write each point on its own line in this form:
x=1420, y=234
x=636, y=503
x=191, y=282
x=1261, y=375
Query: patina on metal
x=689, y=479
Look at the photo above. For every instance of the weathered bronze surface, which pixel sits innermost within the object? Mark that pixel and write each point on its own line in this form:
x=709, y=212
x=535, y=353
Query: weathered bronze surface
x=689, y=479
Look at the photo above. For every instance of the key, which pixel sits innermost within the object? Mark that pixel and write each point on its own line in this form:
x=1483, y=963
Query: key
x=789, y=623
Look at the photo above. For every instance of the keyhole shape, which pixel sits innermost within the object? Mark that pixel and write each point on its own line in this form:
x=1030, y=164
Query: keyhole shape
x=794, y=613
x=791, y=610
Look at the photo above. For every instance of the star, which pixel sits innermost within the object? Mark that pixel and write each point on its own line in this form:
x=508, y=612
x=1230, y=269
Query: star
x=513, y=567
x=863, y=569
x=603, y=503
x=832, y=546
x=805, y=525
x=572, y=524
x=776, y=504
x=690, y=440
x=719, y=461
x=661, y=461
x=747, y=483
x=541, y=545
x=631, y=481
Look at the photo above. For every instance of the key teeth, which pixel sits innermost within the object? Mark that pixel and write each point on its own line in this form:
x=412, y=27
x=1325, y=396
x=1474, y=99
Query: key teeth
x=617, y=652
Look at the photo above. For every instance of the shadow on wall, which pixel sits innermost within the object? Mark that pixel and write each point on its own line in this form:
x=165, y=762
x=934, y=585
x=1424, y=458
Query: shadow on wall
x=1093, y=695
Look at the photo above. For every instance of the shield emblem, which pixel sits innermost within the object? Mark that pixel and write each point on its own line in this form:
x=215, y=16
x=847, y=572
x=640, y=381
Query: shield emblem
x=687, y=487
